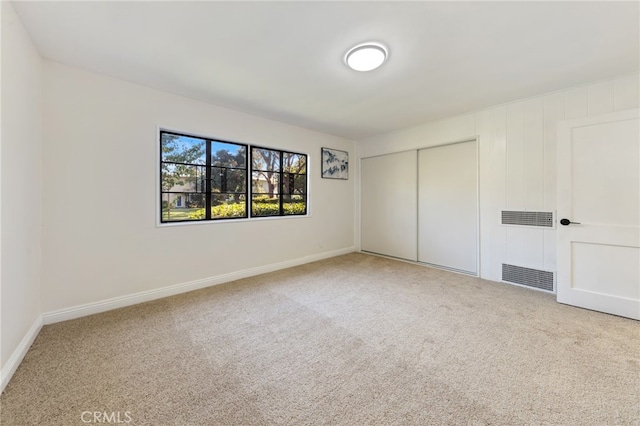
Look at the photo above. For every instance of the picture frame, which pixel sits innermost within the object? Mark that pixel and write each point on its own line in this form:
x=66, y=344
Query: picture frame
x=335, y=164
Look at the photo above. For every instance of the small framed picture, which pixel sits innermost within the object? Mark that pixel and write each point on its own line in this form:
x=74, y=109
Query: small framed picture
x=335, y=164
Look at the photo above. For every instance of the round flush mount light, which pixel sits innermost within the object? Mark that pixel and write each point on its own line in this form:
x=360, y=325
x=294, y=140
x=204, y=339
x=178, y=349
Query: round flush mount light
x=366, y=56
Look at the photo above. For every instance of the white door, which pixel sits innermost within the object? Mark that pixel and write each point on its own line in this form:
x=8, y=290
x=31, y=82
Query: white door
x=599, y=192
x=448, y=207
x=388, y=206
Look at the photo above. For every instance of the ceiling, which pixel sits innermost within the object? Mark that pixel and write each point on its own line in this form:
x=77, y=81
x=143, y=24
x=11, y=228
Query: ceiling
x=284, y=60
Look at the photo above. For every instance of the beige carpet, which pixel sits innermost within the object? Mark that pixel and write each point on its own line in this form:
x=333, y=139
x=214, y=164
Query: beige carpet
x=353, y=340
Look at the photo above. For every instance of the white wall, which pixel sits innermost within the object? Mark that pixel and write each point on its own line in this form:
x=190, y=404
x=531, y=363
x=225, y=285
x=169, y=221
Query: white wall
x=21, y=176
x=101, y=242
x=517, y=162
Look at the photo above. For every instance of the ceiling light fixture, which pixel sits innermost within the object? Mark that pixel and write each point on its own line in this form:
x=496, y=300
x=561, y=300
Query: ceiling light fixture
x=366, y=56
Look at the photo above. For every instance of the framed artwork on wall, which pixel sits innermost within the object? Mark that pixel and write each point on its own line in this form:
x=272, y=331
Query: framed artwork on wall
x=335, y=164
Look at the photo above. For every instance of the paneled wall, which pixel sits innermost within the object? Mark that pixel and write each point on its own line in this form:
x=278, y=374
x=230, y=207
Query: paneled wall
x=517, y=156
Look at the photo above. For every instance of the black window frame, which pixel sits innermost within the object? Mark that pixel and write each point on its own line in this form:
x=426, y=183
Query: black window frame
x=209, y=165
x=281, y=183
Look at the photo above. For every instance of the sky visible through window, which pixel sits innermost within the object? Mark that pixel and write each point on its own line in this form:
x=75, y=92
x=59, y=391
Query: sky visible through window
x=186, y=143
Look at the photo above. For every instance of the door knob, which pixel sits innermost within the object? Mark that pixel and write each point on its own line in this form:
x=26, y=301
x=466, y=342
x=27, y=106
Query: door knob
x=566, y=222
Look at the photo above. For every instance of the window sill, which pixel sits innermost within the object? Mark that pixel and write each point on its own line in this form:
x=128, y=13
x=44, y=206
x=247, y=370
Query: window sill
x=239, y=220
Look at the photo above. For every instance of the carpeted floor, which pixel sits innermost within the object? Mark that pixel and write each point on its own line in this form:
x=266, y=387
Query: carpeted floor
x=353, y=340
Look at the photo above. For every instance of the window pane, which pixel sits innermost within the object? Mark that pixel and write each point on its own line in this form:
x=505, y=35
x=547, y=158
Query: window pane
x=183, y=149
x=265, y=183
x=300, y=184
x=237, y=181
x=294, y=163
x=262, y=205
x=296, y=204
x=195, y=201
x=228, y=155
x=294, y=184
x=228, y=206
x=182, y=206
x=168, y=175
x=228, y=180
x=265, y=159
x=182, y=178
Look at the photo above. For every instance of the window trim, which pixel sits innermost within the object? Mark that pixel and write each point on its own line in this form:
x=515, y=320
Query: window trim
x=249, y=193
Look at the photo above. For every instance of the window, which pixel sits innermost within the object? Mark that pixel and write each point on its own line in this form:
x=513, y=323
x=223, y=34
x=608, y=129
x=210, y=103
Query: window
x=278, y=183
x=205, y=179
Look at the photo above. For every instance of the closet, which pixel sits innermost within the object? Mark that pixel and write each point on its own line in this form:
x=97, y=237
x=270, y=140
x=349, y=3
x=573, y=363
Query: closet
x=389, y=206
x=422, y=205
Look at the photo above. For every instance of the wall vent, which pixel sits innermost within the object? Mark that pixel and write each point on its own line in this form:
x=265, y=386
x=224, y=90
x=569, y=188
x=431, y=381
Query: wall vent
x=536, y=278
x=544, y=219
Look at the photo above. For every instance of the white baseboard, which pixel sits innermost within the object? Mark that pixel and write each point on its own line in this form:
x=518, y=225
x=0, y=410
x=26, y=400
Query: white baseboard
x=18, y=355
x=145, y=296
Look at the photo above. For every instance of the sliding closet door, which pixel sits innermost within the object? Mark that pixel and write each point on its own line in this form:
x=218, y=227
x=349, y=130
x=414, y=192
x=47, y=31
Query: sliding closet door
x=448, y=206
x=388, y=205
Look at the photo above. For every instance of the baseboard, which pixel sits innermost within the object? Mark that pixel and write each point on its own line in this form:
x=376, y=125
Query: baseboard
x=145, y=296
x=19, y=353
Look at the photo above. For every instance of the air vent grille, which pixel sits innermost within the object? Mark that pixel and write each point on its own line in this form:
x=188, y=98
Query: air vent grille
x=536, y=278
x=544, y=219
